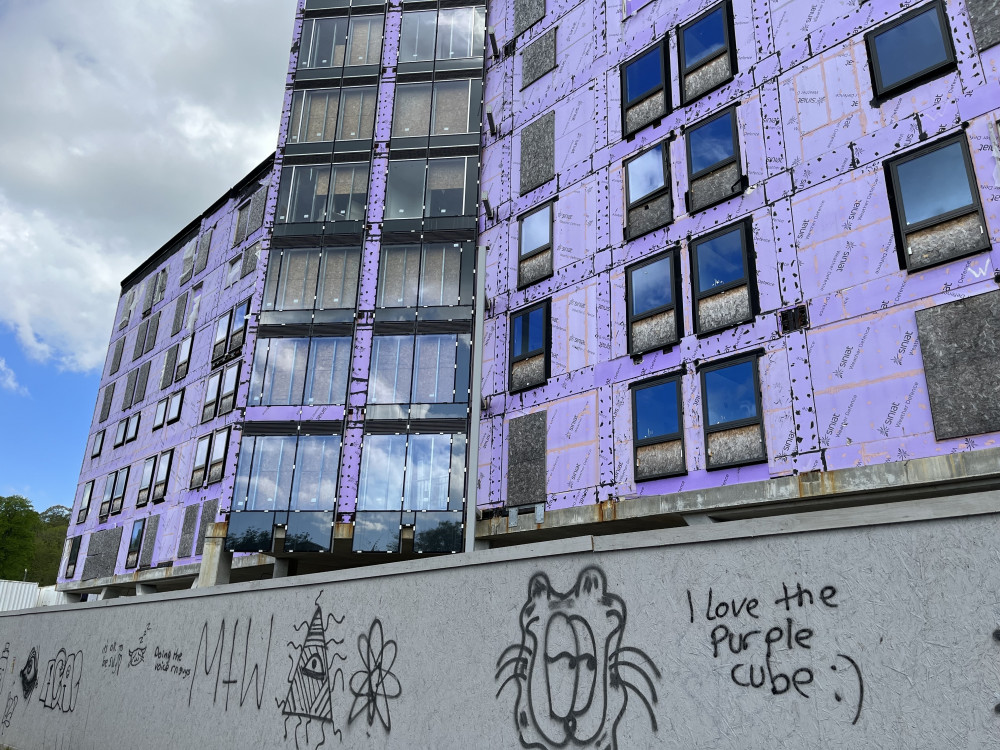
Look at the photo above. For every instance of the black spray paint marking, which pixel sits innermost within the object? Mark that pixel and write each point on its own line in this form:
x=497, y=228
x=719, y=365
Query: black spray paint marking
x=29, y=674
x=375, y=684
x=255, y=680
x=62, y=681
x=571, y=671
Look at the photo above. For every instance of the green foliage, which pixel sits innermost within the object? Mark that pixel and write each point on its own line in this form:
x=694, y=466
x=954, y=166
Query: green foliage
x=18, y=522
x=31, y=540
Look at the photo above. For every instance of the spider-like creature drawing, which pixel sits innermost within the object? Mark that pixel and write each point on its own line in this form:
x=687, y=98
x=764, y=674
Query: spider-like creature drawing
x=313, y=678
x=572, y=674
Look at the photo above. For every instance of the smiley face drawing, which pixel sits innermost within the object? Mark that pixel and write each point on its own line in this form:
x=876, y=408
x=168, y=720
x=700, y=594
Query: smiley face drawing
x=845, y=664
x=572, y=674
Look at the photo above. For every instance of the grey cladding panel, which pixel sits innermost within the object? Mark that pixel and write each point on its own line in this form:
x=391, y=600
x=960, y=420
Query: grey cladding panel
x=102, y=552
x=129, y=389
x=201, y=261
x=148, y=542
x=140, y=383
x=526, y=14
x=960, y=349
x=257, y=204
x=649, y=216
x=526, y=467
x=167, y=376
x=116, y=357
x=538, y=58
x=147, y=301
x=109, y=393
x=140, y=340
x=985, y=22
x=187, y=531
x=250, y=260
x=538, y=152
x=154, y=328
x=209, y=510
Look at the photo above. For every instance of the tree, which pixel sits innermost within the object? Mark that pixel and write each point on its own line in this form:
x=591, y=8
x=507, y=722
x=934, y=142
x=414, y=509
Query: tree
x=50, y=537
x=18, y=523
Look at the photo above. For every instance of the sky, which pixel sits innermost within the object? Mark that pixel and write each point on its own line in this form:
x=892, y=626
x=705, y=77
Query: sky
x=120, y=122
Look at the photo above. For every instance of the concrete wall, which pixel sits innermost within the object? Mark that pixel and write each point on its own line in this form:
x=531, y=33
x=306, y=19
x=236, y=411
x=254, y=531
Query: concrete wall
x=825, y=630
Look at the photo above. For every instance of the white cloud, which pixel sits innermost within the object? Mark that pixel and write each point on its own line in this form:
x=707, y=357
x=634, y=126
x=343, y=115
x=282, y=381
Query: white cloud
x=8, y=380
x=121, y=122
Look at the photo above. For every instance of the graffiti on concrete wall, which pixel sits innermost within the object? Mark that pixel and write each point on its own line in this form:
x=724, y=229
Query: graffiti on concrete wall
x=29, y=674
x=61, y=687
x=774, y=650
x=375, y=684
x=230, y=664
x=572, y=673
x=313, y=678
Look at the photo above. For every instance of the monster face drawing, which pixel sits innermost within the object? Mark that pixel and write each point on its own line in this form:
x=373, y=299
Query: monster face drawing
x=572, y=674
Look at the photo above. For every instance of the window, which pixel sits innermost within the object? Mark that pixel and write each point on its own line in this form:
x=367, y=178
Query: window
x=132, y=431
x=725, y=292
x=233, y=272
x=174, y=402
x=109, y=490
x=645, y=98
x=135, y=543
x=161, y=414
x=335, y=192
x=199, y=471
x=211, y=396
x=406, y=473
x=183, y=358
x=217, y=457
x=460, y=34
x=328, y=114
x=731, y=407
x=647, y=191
x=307, y=279
x=146, y=482
x=427, y=275
x=713, y=156
x=221, y=335
x=292, y=371
x=88, y=491
x=938, y=212
x=120, y=433
x=264, y=473
x=335, y=42
x=910, y=50
x=707, y=53
x=317, y=465
x=441, y=108
x=187, y=261
x=118, y=496
x=97, y=445
x=162, y=476
x=431, y=189
x=230, y=380
x=425, y=369
x=534, y=246
x=238, y=333
x=529, y=346
x=651, y=298
x=657, y=431
x=71, y=558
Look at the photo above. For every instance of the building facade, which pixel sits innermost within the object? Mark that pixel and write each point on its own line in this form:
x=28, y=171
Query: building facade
x=736, y=257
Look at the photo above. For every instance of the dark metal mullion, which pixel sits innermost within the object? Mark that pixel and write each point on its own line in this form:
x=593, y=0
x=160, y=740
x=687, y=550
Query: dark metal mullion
x=881, y=90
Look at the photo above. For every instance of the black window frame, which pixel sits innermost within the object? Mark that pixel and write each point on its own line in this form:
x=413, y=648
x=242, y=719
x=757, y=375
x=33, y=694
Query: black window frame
x=890, y=168
x=120, y=433
x=104, y=510
x=179, y=395
x=730, y=49
x=629, y=203
x=159, y=417
x=159, y=489
x=677, y=377
x=182, y=366
x=546, y=349
x=734, y=159
x=132, y=428
x=197, y=467
x=550, y=205
x=627, y=104
x=72, y=557
x=135, y=543
x=118, y=500
x=146, y=489
x=211, y=476
x=211, y=403
x=675, y=269
x=227, y=398
x=86, y=497
x=883, y=92
x=98, y=445
x=749, y=268
x=754, y=359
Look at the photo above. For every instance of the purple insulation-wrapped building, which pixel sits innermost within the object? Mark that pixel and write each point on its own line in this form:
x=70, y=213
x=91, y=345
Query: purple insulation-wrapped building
x=547, y=268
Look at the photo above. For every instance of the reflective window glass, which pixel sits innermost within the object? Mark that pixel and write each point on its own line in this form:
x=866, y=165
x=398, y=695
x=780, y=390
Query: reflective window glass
x=405, y=190
x=705, y=38
x=317, y=464
x=711, y=143
x=416, y=42
x=460, y=33
x=365, y=41
x=645, y=174
x=391, y=370
x=643, y=75
x=279, y=371
x=357, y=113
x=536, y=230
x=655, y=409
x=328, y=371
x=268, y=475
x=720, y=260
x=411, y=110
x=651, y=286
x=428, y=472
x=383, y=460
x=911, y=48
x=934, y=183
x=730, y=393
x=324, y=42
x=434, y=369
x=445, y=187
